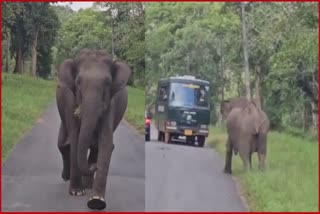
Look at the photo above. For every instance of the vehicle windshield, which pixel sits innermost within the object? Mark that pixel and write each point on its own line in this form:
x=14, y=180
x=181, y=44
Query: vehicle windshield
x=188, y=95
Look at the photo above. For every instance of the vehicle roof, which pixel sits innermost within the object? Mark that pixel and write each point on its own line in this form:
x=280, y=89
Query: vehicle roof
x=183, y=79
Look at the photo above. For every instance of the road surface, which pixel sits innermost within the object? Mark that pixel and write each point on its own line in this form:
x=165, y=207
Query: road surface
x=31, y=175
x=185, y=178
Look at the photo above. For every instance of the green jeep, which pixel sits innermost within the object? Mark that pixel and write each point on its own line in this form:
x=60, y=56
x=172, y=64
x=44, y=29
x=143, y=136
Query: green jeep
x=182, y=109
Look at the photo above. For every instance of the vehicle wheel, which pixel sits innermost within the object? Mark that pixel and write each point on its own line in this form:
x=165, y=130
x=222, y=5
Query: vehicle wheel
x=201, y=140
x=160, y=136
x=167, y=137
x=147, y=137
x=190, y=140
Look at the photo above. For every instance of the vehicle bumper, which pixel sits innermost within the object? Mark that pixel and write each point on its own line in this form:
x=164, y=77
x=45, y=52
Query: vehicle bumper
x=181, y=131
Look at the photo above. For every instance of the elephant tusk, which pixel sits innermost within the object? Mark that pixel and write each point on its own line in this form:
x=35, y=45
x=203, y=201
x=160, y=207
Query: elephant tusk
x=77, y=112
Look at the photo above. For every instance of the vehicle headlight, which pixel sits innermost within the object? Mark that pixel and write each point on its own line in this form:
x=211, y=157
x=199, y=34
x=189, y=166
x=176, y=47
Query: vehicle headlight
x=204, y=126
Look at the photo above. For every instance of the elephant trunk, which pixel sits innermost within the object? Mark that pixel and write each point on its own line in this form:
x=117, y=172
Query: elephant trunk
x=89, y=119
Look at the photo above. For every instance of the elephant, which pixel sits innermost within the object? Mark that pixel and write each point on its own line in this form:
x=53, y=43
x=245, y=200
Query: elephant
x=91, y=98
x=247, y=128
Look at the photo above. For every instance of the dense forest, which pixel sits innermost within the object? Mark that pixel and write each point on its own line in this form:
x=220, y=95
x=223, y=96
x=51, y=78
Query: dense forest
x=277, y=43
x=37, y=37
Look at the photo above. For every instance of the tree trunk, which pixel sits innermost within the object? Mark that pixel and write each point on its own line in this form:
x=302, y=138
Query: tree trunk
x=112, y=34
x=22, y=64
x=34, y=53
x=258, y=98
x=222, y=78
x=245, y=52
x=8, y=52
x=222, y=71
x=19, y=52
x=303, y=118
x=18, y=66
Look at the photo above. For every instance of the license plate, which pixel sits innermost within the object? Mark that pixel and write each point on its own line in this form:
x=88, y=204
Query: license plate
x=187, y=132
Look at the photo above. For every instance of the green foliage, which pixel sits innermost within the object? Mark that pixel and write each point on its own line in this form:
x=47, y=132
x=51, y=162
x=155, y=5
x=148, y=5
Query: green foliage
x=27, y=24
x=205, y=40
x=23, y=100
x=188, y=38
x=127, y=21
x=98, y=27
x=135, y=110
x=291, y=162
x=85, y=29
x=63, y=12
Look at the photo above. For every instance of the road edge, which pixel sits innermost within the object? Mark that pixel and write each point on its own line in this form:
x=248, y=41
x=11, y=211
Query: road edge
x=132, y=126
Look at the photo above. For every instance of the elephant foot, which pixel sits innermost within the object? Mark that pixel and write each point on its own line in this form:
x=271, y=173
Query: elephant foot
x=96, y=203
x=65, y=175
x=227, y=171
x=77, y=192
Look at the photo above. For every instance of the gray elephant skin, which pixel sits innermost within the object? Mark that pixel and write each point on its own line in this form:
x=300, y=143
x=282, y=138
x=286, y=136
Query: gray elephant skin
x=91, y=98
x=247, y=128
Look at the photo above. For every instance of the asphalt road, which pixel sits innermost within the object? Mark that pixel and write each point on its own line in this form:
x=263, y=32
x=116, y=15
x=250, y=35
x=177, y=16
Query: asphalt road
x=185, y=178
x=31, y=175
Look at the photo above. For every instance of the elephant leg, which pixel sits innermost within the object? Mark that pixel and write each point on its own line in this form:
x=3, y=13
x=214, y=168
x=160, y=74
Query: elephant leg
x=64, y=149
x=105, y=147
x=97, y=200
x=250, y=160
x=245, y=160
x=66, y=105
x=244, y=151
x=228, y=166
x=121, y=101
x=262, y=150
x=93, y=156
x=76, y=187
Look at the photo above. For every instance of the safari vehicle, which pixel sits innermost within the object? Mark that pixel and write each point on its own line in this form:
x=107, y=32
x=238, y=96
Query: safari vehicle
x=182, y=109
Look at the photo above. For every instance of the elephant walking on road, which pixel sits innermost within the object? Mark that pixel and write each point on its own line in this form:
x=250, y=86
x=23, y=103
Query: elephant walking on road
x=92, y=99
x=247, y=127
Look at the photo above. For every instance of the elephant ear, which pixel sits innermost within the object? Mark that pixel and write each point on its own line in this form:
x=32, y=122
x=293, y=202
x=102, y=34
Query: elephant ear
x=225, y=108
x=120, y=76
x=67, y=73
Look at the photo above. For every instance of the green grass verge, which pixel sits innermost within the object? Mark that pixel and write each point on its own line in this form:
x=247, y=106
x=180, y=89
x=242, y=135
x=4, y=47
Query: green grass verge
x=290, y=181
x=135, y=110
x=23, y=100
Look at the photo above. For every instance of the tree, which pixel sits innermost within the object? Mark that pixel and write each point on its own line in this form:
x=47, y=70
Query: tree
x=25, y=23
x=245, y=51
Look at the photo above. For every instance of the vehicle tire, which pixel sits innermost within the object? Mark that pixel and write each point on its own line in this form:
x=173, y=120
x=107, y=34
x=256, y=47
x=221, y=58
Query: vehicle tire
x=148, y=137
x=160, y=136
x=167, y=137
x=201, y=140
x=190, y=140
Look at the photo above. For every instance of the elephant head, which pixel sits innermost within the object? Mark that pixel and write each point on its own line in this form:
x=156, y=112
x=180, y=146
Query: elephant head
x=227, y=105
x=257, y=116
x=97, y=78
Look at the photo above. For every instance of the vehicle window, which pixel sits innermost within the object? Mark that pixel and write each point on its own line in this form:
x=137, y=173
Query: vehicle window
x=190, y=95
x=202, y=96
x=163, y=93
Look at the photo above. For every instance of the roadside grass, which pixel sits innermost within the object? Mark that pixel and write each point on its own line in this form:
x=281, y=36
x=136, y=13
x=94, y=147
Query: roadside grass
x=290, y=181
x=24, y=98
x=135, y=110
